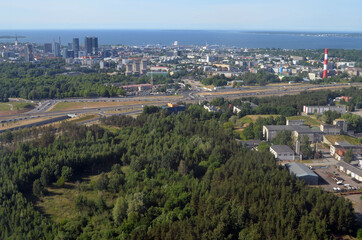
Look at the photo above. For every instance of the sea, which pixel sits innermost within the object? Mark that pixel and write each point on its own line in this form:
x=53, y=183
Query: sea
x=242, y=39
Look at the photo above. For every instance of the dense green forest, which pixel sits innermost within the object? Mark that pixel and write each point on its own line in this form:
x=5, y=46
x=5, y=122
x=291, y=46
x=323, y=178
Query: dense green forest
x=187, y=179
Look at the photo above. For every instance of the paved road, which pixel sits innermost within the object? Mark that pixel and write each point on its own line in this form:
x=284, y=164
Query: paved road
x=189, y=96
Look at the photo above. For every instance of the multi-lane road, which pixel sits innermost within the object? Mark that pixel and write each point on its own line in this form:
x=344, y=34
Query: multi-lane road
x=196, y=94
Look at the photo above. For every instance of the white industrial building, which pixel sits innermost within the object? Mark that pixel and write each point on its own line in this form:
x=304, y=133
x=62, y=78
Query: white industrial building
x=282, y=152
x=322, y=109
x=355, y=172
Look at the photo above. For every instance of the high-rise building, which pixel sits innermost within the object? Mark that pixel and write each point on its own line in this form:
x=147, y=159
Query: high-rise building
x=136, y=67
x=88, y=45
x=128, y=69
x=91, y=45
x=47, y=48
x=56, y=49
x=143, y=66
x=67, y=53
x=29, y=53
x=95, y=46
x=76, y=47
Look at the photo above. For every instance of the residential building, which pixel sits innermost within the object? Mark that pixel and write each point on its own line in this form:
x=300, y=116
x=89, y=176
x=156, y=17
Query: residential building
x=29, y=53
x=211, y=108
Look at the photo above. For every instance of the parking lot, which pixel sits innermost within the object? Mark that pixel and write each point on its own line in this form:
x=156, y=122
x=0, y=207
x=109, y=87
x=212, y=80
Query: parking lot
x=328, y=176
x=328, y=184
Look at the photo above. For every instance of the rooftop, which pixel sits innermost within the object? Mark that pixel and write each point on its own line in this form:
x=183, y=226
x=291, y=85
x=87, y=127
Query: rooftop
x=300, y=170
x=349, y=167
x=282, y=148
x=287, y=127
x=344, y=144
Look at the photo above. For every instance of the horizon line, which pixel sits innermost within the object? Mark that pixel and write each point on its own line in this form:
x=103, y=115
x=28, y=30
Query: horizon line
x=160, y=29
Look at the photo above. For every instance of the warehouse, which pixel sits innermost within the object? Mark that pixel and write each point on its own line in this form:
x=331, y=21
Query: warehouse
x=353, y=171
x=302, y=172
x=282, y=152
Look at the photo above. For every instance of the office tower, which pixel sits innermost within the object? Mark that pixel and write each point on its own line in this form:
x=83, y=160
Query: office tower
x=95, y=46
x=56, y=49
x=88, y=45
x=29, y=53
x=67, y=53
x=48, y=48
x=76, y=47
x=91, y=45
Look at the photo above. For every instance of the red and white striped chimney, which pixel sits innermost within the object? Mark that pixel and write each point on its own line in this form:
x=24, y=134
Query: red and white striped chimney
x=325, y=73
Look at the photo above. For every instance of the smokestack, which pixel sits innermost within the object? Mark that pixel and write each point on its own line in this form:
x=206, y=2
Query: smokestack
x=325, y=73
x=297, y=147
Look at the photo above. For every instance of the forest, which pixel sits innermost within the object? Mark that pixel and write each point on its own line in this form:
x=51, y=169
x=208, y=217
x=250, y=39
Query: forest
x=186, y=179
x=46, y=80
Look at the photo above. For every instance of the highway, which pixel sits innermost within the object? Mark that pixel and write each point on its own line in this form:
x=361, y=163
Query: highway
x=195, y=95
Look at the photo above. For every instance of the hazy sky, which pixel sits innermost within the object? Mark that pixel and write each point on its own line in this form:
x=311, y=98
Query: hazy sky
x=314, y=15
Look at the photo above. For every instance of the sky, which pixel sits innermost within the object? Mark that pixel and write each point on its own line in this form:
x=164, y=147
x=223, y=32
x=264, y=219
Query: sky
x=259, y=15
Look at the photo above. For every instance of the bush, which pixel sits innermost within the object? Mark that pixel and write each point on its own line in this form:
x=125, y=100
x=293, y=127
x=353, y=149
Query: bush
x=61, y=181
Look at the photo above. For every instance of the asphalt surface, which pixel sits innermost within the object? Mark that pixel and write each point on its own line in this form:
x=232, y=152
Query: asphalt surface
x=196, y=94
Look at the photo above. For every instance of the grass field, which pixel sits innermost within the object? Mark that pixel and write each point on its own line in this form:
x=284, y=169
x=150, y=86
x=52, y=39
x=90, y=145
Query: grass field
x=252, y=118
x=83, y=118
x=22, y=122
x=122, y=111
x=59, y=202
x=14, y=107
x=342, y=138
x=66, y=106
x=311, y=121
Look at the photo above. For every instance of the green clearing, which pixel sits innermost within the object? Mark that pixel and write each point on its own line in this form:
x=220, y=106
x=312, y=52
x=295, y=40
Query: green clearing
x=84, y=118
x=112, y=129
x=16, y=106
x=343, y=138
x=253, y=118
x=311, y=121
x=59, y=202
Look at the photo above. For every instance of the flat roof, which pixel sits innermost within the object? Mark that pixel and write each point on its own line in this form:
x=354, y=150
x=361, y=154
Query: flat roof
x=300, y=170
x=344, y=144
x=282, y=148
x=351, y=168
x=288, y=128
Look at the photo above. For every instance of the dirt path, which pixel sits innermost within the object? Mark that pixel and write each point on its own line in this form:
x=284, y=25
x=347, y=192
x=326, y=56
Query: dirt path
x=11, y=107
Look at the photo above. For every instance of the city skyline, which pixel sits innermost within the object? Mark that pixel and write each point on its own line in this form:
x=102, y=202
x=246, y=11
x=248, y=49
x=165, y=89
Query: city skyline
x=260, y=15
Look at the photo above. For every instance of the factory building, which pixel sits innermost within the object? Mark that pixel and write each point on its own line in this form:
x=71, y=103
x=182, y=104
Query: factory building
x=348, y=169
x=321, y=109
x=282, y=152
x=302, y=172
